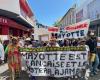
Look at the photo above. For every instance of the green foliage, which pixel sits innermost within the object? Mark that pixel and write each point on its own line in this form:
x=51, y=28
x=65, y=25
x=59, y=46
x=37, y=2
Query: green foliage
x=57, y=24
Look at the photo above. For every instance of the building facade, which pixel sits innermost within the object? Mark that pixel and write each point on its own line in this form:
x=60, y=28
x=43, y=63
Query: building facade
x=41, y=32
x=69, y=17
x=16, y=18
x=90, y=9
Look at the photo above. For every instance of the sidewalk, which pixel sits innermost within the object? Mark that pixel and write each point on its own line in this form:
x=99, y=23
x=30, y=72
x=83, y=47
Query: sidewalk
x=3, y=68
x=4, y=73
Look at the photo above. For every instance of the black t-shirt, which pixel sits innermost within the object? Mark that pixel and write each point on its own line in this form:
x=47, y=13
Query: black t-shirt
x=92, y=43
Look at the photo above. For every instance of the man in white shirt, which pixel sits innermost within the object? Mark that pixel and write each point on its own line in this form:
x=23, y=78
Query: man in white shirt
x=86, y=69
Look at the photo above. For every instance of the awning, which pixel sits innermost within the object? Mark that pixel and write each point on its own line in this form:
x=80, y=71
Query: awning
x=17, y=18
x=95, y=22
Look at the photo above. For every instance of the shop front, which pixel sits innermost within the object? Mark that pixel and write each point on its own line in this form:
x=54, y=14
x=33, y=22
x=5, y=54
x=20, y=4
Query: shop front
x=10, y=27
x=95, y=27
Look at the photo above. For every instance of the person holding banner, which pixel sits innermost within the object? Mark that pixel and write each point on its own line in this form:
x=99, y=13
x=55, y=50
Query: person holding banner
x=53, y=43
x=85, y=71
x=66, y=42
x=14, y=59
x=83, y=43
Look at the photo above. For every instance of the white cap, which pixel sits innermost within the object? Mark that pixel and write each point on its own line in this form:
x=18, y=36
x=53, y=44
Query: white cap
x=28, y=39
x=92, y=34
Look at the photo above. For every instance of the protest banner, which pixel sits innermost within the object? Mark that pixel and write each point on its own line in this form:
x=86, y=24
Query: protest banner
x=53, y=29
x=78, y=30
x=56, y=62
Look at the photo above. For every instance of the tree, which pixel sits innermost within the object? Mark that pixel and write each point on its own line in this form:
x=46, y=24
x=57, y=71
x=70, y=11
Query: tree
x=57, y=24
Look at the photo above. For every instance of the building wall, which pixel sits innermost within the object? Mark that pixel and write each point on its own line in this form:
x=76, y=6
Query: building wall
x=20, y=7
x=81, y=11
x=40, y=32
x=69, y=17
x=10, y=27
x=94, y=10
x=26, y=12
x=10, y=5
x=91, y=10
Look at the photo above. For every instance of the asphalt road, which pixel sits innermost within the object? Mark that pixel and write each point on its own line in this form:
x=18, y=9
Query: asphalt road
x=24, y=76
x=4, y=75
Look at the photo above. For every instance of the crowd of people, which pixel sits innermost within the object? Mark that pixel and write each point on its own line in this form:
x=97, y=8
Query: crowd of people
x=9, y=51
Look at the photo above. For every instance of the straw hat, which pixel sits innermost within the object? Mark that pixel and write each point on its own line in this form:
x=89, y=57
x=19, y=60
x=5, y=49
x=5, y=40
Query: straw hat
x=14, y=38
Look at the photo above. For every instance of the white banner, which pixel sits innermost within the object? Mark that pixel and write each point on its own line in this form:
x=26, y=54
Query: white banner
x=56, y=63
x=78, y=30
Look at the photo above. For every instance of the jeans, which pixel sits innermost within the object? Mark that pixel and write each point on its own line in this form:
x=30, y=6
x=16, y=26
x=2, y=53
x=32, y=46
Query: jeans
x=32, y=78
x=94, y=65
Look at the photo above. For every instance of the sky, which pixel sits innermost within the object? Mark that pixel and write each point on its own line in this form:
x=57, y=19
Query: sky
x=48, y=11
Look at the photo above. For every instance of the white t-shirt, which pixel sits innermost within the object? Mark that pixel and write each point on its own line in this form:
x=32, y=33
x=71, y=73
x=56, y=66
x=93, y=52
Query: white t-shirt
x=57, y=45
x=1, y=52
x=87, y=48
x=21, y=43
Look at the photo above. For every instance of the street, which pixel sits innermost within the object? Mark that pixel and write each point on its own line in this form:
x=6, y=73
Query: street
x=4, y=74
x=49, y=39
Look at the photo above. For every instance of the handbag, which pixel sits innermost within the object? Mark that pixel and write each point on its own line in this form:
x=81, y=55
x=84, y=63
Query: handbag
x=92, y=57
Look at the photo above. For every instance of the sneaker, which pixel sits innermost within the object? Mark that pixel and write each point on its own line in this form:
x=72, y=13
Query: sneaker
x=98, y=70
x=95, y=73
x=91, y=74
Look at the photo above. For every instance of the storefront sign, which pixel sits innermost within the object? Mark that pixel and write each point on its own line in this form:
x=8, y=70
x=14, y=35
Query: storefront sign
x=53, y=29
x=3, y=20
x=55, y=63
